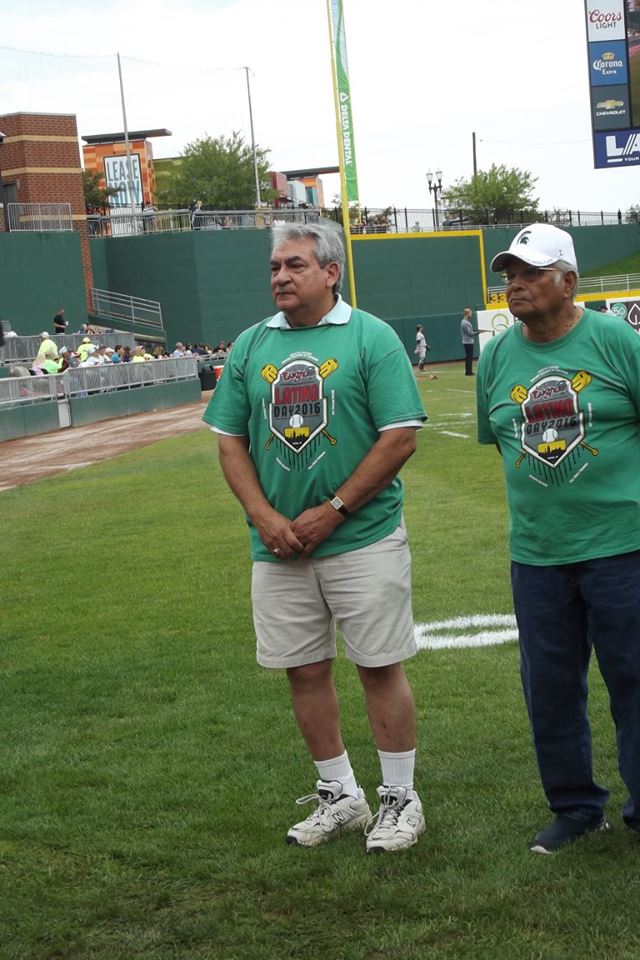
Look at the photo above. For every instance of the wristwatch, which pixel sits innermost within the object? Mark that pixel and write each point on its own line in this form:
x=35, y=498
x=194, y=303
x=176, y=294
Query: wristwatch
x=338, y=505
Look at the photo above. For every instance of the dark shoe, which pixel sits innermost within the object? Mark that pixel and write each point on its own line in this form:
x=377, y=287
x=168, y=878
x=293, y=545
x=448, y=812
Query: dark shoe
x=565, y=830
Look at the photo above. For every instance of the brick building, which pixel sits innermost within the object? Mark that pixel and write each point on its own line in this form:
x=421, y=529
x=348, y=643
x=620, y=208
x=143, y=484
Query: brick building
x=40, y=163
x=105, y=153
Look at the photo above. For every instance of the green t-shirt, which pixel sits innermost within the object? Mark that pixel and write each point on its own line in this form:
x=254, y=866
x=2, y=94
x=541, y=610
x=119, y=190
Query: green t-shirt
x=312, y=401
x=565, y=415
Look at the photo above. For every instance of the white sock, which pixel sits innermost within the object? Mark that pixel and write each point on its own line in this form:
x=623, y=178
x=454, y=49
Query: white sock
x=397, y=770
x=338, y=768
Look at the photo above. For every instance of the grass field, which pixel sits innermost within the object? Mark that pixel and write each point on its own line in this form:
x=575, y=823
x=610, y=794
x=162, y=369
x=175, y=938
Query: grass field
x=618, y=268
x=148, y=767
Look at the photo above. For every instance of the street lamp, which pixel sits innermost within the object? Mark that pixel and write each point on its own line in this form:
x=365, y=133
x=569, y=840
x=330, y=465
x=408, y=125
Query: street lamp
x=435, y=187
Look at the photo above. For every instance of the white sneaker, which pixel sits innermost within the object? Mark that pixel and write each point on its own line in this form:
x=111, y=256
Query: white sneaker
x=398, y=823
x=335, y=813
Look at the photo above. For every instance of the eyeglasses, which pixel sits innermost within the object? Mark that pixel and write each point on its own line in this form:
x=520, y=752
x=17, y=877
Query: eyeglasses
x=528, y=274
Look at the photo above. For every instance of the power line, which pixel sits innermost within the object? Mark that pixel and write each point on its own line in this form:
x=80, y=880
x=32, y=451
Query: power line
x=61, y=56
x=110, y=56
x=535, y=143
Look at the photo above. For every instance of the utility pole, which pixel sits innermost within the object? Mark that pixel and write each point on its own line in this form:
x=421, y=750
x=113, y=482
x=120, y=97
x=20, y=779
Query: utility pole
x=253, y=142
x=127, y=145
x=475, y=161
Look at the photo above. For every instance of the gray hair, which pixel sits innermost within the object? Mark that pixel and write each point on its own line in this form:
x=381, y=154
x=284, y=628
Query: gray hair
x=328, y=245
x=563, y=267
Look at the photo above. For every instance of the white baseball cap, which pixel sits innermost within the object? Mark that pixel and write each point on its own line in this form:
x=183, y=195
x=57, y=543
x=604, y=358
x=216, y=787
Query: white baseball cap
x=540, y=245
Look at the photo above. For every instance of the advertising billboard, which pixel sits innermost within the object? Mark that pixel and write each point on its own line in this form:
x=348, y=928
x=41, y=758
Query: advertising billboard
x=613, y=47
x=116, y=174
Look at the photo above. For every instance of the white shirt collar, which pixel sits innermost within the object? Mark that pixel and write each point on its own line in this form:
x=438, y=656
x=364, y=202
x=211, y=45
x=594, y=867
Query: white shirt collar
x=339, y=314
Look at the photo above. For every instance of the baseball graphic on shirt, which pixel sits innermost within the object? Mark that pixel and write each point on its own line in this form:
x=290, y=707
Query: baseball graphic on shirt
x=550, y=436
x=296, y=420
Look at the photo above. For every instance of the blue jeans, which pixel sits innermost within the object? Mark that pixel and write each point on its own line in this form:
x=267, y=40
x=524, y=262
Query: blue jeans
x=562, y=612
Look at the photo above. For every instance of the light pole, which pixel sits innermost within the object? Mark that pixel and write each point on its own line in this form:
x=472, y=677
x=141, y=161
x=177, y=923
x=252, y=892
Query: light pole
x=435, y=187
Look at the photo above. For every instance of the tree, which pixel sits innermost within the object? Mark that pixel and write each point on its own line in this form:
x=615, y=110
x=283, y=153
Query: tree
x=496, y=195
x=95, y=196
x=219, y=171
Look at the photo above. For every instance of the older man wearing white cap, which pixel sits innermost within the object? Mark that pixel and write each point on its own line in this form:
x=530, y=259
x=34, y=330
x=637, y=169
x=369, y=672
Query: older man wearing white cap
x=559, y=394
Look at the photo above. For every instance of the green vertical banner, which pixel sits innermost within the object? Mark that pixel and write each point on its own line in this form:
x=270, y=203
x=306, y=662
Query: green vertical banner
x=344, y=101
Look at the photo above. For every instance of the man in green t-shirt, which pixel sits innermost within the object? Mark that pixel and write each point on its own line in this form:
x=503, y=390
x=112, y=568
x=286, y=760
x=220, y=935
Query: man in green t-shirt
x=559, y=394
x=316, y=412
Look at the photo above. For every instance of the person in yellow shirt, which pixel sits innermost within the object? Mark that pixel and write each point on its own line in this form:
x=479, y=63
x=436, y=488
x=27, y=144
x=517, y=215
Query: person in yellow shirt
x=85, y=348
x=47, y=345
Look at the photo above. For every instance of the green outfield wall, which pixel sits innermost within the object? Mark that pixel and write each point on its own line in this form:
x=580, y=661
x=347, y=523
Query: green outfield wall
x=210, y=284
x=213, y=284
x=40, y=272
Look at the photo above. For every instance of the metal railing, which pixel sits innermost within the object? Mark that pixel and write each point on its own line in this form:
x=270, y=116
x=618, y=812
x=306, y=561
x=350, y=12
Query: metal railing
x=15, y=391
x=176, y=221
x=87, y=381
x=625, y=281
x=18, y=349
x=39, y=216
x=120, y=306
x=376, y=220
x=81, y=381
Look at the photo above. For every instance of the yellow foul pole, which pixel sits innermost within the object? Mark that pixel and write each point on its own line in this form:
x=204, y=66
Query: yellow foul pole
x=346, y=223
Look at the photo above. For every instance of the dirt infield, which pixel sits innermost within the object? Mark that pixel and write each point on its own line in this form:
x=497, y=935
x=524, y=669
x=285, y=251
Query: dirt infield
x=32, y=458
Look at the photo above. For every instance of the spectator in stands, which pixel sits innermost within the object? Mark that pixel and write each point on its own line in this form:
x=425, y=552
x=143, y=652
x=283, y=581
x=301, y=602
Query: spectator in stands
x=63, y=360
x=137, y=355
x=49, y=364
x=194, y=210
x=149, y=222
x=46, y=346
x=117, y=353
x=85, y=348
x=180, y=350
x=94, y=358
x=125, y=356
x=59, y=323
x=83, y=329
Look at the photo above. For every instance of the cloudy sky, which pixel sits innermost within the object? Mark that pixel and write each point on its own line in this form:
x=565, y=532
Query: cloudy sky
x=425, y=74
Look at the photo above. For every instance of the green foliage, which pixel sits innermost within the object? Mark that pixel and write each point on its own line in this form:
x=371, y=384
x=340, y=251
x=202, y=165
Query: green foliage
x=493, y=196
x=96, y=196
x=149, y=768
x=219, y=171
x=361, y=220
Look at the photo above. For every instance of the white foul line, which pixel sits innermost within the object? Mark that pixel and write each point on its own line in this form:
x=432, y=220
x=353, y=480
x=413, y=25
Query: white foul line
x=454, y=633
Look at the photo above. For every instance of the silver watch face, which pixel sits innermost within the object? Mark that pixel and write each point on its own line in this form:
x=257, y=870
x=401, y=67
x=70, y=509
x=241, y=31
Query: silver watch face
x=336, y=503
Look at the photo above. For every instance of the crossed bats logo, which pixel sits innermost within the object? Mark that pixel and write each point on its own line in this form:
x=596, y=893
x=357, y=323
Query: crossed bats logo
x=298, y=408
x=552, y=424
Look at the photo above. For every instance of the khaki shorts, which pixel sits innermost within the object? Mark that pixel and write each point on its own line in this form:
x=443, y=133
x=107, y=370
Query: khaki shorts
x=366, y=593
